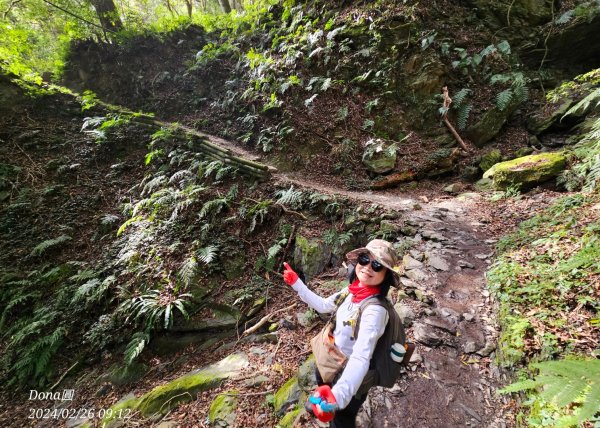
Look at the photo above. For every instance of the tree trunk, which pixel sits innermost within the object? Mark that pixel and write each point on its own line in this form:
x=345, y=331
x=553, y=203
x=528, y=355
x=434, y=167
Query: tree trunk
x=108, y=14
x=188, y=4
x=225, y=6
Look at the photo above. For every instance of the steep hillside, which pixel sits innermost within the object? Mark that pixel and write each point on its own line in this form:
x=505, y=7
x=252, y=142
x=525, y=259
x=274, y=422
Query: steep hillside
x=144, y=221
x=355, y=88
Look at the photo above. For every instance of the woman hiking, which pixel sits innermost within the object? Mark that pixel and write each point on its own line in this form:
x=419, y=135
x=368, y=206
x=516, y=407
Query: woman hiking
x=342, y=354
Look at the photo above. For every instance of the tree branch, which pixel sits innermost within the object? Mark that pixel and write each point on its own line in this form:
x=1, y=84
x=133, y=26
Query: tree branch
x=266, y=318
x=447, y=102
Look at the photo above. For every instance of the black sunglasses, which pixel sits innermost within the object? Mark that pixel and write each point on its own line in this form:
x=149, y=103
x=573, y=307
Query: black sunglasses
x=363, y=259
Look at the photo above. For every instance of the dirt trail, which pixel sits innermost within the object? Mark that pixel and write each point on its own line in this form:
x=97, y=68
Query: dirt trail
x=452, y=382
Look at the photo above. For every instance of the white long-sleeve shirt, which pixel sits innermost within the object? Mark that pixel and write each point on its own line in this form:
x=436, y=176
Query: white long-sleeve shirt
x=360, y=350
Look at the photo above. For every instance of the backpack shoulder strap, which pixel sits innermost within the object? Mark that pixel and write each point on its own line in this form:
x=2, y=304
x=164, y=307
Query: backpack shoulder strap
x=338, y=302
x=374, y=300
x=397, y=329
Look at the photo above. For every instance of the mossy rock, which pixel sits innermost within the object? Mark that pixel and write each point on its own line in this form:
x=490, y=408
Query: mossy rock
x=526, y=171
x=311, y=256
x=288, y=394
x=379, y=156
x=184, y=389
x=490, y=159
x=307, y=379
x=225, y=318
x=118, y=413
x=490, y=124
x=236, y=263
x=288, y=420
x=222, y=410
x=537, y=124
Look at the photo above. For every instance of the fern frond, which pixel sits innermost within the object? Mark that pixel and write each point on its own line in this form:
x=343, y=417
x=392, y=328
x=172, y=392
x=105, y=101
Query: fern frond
x=17, y=300
x=136, y=346
x=233, y=192
x=504, y=98
x=582, y=106
x=50, y=243
x=592, y=178
x=213, y=207
x=153, y=184
x=208, y=254
x=273, y=251
x=189, y=271
x=85, y=290
x=565, y=382
x=289, y=197
x=181, y=175
x=83, y=275
x=463, y=115
x=460, y=96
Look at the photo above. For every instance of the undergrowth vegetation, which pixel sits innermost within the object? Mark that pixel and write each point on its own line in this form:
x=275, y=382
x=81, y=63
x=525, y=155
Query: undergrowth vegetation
x=546, y=279
x=189, y=233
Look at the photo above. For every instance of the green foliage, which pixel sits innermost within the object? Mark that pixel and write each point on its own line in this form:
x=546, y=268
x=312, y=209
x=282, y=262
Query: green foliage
x=572, y=386
x=155, y=308
x=88, y=100
x=337, y=240
x=470, y=63
x=516, y=93
x=462, y=107
x=100, y=127
x=585, y=174
x=136, y=346
x=289, y=197
x=54, y=243
x=544, y=270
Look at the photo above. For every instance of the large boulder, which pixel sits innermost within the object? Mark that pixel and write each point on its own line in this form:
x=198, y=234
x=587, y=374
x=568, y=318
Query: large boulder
x=540, y=122
x=526, y=171
x=184, y=389
x=490, y=124
x=311, y=256
x=379, y=156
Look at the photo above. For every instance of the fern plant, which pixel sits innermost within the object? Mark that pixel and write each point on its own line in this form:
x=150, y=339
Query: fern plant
x=289, y=197
x=515, y=94
x=462, y=107
x=574, y=383
x=586, y=173
x=50, y=243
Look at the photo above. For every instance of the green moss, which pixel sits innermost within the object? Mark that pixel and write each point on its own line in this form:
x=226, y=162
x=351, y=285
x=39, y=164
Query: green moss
x=527, y=170
x=166, y=397
x=116, y=414
x=490, y=159
x=311, y=256
x=289, y=418
x=222, y=409
x=290, y=391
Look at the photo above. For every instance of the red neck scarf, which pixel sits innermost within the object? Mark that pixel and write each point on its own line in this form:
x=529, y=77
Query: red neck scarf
x=361, y=292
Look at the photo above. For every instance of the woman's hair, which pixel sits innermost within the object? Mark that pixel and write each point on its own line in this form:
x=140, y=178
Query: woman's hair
x=388, y=280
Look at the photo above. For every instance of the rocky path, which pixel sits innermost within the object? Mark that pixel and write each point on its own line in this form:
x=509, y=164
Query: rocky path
x=448, y=313
x=451, y=319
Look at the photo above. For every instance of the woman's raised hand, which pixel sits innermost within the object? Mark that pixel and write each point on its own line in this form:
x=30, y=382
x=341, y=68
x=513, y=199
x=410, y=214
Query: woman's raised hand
x=289, y=276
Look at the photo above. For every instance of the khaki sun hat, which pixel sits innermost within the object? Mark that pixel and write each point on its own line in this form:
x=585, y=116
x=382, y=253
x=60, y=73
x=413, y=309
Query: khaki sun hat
x=380, y=250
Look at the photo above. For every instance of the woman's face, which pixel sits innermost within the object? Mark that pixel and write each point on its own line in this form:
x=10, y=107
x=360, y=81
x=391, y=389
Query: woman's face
x=367, y=276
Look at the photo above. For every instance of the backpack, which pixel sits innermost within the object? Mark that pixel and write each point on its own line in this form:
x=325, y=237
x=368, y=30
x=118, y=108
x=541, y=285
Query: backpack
x=386, y=369
x=383, y=370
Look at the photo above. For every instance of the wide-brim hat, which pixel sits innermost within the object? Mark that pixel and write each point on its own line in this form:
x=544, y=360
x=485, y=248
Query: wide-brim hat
x=380, y=250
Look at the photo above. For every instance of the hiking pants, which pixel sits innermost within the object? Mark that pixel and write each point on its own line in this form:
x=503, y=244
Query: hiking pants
x=346, y=417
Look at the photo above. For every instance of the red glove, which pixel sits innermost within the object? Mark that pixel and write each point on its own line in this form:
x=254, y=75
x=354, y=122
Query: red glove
x=289, y=276
x=324, y=404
